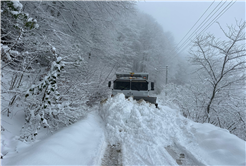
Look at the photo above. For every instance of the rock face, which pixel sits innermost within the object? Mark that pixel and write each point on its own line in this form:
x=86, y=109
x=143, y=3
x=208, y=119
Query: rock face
x=112, y=156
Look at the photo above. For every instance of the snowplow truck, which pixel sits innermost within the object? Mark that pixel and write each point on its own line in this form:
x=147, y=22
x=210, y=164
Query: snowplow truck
x=135, y=85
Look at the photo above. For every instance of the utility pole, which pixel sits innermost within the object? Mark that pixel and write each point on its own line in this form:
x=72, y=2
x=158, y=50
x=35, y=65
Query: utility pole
x=166, y=75
x=166, y=78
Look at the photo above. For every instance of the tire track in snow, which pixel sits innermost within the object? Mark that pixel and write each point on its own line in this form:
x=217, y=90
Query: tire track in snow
x=112, y=156
x=182, y=156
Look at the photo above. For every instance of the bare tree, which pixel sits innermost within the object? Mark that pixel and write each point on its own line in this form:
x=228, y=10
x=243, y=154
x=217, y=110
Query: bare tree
x=221, y=64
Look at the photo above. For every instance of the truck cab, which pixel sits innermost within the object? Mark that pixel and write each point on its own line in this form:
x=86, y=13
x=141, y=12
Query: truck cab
x=133, y=84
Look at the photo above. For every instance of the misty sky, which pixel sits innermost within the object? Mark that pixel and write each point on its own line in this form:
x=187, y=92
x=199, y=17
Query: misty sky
x=179, y=17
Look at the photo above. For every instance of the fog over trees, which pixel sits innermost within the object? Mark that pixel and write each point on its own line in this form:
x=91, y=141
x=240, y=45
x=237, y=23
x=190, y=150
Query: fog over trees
x=57, y=58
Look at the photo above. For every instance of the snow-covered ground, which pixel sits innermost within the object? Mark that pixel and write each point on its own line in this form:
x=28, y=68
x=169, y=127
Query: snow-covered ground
x=78, y=144
x=149, y=136
x=146, y=135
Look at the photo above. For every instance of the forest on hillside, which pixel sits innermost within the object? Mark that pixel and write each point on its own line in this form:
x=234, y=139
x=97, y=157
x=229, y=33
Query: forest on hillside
x=57, y=57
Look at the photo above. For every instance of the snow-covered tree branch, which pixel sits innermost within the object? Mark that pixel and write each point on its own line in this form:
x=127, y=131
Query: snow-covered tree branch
x=222, y=65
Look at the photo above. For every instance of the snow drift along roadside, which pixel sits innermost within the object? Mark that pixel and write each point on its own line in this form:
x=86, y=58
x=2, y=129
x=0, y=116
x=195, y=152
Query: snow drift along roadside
x=78, y=144
x=218, y=146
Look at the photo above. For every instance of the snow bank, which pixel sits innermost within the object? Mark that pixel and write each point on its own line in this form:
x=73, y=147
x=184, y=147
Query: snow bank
x=218, y=146
x=78, y=144
x=145, y=132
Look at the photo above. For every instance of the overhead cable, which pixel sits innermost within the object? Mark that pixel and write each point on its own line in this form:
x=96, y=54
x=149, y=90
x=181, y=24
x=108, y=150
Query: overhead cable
x=210, y=24
x=203, y=23
x=194, y=25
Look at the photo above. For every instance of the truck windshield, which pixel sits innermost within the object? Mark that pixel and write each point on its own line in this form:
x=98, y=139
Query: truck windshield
x=139, y=85
x=122, y=85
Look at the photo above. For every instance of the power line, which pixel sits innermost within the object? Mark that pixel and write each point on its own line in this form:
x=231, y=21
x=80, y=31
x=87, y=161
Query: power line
x=207, y=25
x=196, y=28
x=211, y=23
x=219, y=15
x=194, y=25
x=203, y=23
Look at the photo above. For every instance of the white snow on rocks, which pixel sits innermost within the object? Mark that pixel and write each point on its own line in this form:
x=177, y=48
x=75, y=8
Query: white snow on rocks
x=17, y=4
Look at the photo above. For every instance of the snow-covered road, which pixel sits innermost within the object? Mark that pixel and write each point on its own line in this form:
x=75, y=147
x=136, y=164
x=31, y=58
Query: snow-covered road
x=151, y=136
x=124, y=132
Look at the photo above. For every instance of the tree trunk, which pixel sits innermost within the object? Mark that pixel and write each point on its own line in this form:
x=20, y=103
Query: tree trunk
x=210, y=102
